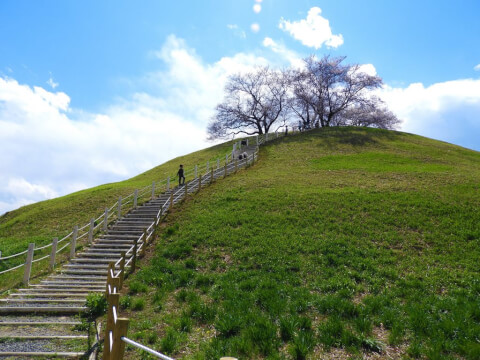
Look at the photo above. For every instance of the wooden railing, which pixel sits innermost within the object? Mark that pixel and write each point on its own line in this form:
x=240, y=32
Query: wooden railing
x=116, y=328
x=87, y=232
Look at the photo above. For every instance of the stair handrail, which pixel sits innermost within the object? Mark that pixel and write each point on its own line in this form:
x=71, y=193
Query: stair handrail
x=111, y=215
x=116, y=335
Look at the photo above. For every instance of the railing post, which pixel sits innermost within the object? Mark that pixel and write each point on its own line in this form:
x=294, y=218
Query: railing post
x=171, y=201
x=134, y=261
x=119, y=207
x=53, y=253
x=225, y=172
x=28, y=263
x=122, y=269
x=196, y=170
x=234, y=147
x=90, y=231
x=208, y=165
x=144, y=240
x=247, y=141
x=73, y=243
x=121, y=330
x=113, y=300
x=135, y=198
x=153, y=190
x=199, y=182
x=211, y=175
x=105, y=220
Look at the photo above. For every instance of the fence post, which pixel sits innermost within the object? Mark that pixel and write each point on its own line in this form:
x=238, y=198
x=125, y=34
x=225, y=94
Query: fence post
x=134, y=261
x=225, y=172
x=196, y=170
x=171, y=201
x=211, y=175
x=90, y=231
x=121, y=330
x=208, y=165
x=218, y=164
x=113, y=300
x=234, y=147
x=233, y=156
x=28, y=263
x=119, y=208
x=73, y=243
x=153, y=190
x=199, y=182
x=135, y=198
x=247, y=141
x=105, y=220
x=53, y=253
x=144, y=240
x=122, y=269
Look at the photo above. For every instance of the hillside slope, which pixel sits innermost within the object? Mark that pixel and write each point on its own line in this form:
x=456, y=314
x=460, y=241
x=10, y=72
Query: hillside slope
x=337, y=242
x=41, y=222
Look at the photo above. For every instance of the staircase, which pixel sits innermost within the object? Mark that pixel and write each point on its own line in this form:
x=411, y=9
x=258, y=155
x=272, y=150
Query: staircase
x=39, y=320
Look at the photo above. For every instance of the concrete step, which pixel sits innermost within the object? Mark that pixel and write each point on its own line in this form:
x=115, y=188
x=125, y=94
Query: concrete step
x=41, y=301
x=49, y=289
x=88, y=266
x=92, y=261
x=48, y=355
x=50, y=294
x=86, y=271
x=42, y=309
x=112, y=244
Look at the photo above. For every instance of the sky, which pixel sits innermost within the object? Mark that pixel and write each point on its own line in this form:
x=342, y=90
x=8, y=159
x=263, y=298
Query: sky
x=93, y=92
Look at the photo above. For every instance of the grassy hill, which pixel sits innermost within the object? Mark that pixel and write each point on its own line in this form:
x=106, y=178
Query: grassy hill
x=338, y=243
x=42, y=221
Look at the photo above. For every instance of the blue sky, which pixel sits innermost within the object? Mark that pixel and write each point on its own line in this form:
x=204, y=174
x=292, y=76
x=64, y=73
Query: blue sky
x=98, y=91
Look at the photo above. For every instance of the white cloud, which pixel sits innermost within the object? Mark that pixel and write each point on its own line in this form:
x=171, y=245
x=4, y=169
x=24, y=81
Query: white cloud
x=291, y=56
x=477, y=67
x=52, y=83
x=237, y=30
x=50, y=149
x=314, y=31
x=446, y=111
x=368, y=69
x=255, y=27
x=257, y=8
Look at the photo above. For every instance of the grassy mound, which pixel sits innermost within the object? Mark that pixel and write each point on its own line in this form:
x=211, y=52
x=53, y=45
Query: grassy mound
x=337, y=243
x=41, y=222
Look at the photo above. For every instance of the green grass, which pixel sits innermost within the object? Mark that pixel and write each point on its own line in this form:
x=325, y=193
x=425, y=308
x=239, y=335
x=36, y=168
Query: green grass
x=41, y=222
x=351, y=239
